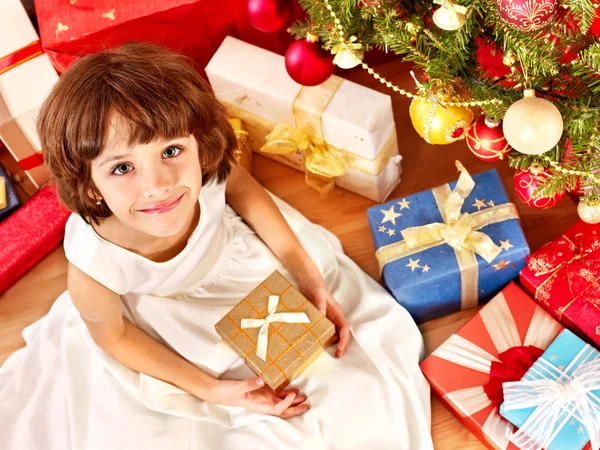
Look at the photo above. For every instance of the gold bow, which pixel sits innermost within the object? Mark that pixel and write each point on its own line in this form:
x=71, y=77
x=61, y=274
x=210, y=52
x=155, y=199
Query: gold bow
x=322, y=164
x=457, y=230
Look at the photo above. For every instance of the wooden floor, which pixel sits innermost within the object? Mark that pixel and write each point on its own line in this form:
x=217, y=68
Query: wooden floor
x=341, y=212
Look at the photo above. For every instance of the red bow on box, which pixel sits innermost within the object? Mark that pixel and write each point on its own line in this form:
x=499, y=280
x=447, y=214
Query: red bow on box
x=515, y=362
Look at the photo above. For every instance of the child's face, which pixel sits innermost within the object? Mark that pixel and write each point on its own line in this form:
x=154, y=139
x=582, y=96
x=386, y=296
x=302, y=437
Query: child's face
x=152, y=188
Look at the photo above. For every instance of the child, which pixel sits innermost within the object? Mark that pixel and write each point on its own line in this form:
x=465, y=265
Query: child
x=167, y=234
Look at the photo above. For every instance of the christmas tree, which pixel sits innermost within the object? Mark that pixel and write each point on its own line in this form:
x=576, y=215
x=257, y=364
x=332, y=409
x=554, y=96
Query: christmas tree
x=498, y=72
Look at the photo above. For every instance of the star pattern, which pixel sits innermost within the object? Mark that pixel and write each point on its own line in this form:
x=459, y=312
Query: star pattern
x=553, y=357
x=506, y=245
x=561, y=367
x=572, y=422
x=382, y=229
x=479, y=204
x=501, y=265
x=390, y=215
x=580, y=430
x=426, y=268
x=404, y=204
x=491, y=203
x=391, y=232
x=413, y=264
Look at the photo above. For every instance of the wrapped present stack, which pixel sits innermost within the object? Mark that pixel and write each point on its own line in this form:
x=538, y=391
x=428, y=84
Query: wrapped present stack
x=338, y=133
x=277, y=331
x=450, y=248
x=498, y=345
x=26, y=77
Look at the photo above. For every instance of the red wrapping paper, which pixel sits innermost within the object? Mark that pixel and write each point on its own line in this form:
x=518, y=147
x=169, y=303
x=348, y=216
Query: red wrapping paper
x=196, y=28
x=29, y=234
x=564, y=277
x=497, y=345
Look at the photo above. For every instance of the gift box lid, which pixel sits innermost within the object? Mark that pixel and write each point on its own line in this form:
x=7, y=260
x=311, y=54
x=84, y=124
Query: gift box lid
x=16, y=30
x=356, y=119
x=25, y=77
x=559, y=363
x=435, y=269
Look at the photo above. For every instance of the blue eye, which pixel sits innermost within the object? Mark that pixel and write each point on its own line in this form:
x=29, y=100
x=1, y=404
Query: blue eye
x=172, y=151
x=121, y=169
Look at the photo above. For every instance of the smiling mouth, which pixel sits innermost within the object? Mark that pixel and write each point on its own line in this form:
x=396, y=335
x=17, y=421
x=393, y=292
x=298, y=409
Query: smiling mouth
x=163, y=207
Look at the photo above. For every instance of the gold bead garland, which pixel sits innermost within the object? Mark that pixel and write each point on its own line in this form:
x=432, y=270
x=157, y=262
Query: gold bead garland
x=339, y=30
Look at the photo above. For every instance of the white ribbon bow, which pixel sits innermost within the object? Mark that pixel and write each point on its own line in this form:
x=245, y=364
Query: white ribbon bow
x=272, y=316
x=556, y=401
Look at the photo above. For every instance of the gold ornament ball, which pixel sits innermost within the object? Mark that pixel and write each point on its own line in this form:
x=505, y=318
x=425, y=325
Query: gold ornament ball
x=509, y=58
x=589, y=210
x=532, y=125
x=437, y=124
x=414, y=24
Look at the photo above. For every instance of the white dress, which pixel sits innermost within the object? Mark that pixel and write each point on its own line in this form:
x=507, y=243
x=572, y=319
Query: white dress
x=62, y=392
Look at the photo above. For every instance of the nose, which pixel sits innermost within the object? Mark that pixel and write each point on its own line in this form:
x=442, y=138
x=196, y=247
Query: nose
x=156, y=181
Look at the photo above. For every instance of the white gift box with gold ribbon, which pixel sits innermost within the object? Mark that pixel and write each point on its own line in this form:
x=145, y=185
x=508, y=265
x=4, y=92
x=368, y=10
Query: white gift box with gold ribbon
x=26, y=78
x=339, y=132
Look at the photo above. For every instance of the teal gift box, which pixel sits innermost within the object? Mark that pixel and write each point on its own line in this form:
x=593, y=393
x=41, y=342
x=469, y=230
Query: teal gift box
x=556, y=405
x=449, y=248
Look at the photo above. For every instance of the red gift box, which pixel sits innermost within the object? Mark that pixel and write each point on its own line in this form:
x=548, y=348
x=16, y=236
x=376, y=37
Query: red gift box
x=563, y=276
x=497, y=345
x=29, y=234
x=70, y=29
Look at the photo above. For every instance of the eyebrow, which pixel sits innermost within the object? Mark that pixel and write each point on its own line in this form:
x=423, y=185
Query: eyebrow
x=113, y=158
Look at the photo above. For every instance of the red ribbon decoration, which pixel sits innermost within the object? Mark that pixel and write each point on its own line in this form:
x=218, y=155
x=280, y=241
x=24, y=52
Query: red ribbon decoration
x=32, y=161
x=557, y=254
x=515, y=362
x=20, y=56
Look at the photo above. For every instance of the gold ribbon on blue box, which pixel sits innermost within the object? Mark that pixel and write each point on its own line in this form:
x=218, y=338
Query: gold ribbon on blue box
x=460, y=230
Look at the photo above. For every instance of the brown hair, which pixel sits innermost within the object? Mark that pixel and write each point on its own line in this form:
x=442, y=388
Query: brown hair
x=158, y=93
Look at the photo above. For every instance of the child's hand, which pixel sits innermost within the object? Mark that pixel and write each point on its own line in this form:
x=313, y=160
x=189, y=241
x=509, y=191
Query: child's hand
x=317, y=291
x=254, y=395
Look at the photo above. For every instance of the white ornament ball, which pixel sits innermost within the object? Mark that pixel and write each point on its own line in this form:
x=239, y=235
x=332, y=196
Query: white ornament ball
x=589, y=211
x=532, y=125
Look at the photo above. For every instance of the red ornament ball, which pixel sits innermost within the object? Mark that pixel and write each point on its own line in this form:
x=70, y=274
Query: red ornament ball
x=570, y=159
x=486, y=139
x=270, y=16
x=307, y=63
x=526, y=15
x=526, y=183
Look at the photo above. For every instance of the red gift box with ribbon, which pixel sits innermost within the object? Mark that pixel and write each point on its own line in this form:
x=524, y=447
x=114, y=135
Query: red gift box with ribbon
x=564, y=275
x=73, y=28
x=497, y=345
x=29, y=234
x=26, y=78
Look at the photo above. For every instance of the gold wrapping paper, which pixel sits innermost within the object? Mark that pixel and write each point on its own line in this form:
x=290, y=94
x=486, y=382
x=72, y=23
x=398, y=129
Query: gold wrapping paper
x=243, y=152
x=3, y=202
x=291, y=346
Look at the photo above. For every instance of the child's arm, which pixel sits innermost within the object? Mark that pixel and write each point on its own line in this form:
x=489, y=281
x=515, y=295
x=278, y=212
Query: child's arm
x=100, y=310
x=249, y=199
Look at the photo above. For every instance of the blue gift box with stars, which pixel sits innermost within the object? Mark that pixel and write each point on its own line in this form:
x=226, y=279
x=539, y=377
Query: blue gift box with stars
x=460, y=249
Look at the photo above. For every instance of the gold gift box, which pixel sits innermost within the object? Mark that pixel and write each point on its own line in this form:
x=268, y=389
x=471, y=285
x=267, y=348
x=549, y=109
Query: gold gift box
x=291, y=346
